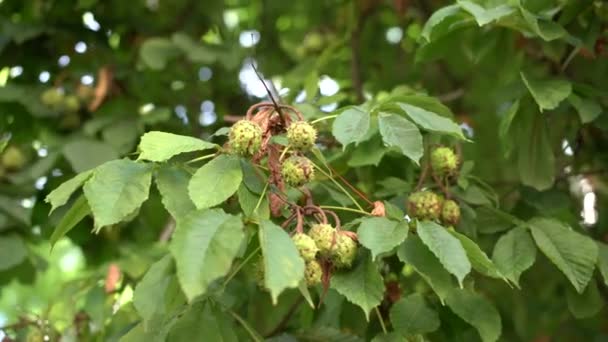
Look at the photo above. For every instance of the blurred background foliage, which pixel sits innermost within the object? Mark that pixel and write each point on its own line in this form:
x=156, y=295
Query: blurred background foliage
x=80, y=81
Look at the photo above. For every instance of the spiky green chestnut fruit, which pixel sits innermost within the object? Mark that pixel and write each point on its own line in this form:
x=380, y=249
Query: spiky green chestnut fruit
x=344, y=251
x=301, y=135
x=313, y=273
x=306, y=246
x=323, y=235
x=444, y=161
x=297, y=171
x=13, y=158
x=450, y=213
x=245, y=137
x=424, y=205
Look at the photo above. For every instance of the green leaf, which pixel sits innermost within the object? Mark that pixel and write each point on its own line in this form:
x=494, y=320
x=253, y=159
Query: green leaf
x=536, y=162
x=79, y=210
x=84, y=154
x=205, y=321
x=362, y=285
x=116, y=189
x=351, y=125
x=172, y=183
x=413, y=252
x=478, y=258
x=573, y=253
x=204, y=244
x=215, y=181
x=62, y=193
x=446, y=248
x=602, y=261
x=379, y=234
x=514, y=253
x=411, y=315
x=283, y=266
x=248, y=201
x=369, y=152
x=12, y=251
x=160, y=146
x=477, y=311
x=12, y=207
x=586, y=304
x=588, y=109
x=156, y=52
x=485, y=16
x=401, y=133
x=505, y=128
x=437, y=18
x=548, y=94
x=158, y=292
x=546, y=29
x=431, y=121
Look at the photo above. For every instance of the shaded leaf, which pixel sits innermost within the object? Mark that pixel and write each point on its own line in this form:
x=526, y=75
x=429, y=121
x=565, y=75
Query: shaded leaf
x=602, y=261
x=411, y=315
x=536, y=161
x=12, y=251
x=84, y=154
x=514, y=253
x=431, y=121
x=485, y=16
x=478, y=258
x=586, y=304
x=573, y=253
x=588, y=109
x=351, y=126
x=477, y=311
x=362, y=285
x=79, y=210
x=62, y=193
x=172, y=183
x=548, y=94
x=156, y=52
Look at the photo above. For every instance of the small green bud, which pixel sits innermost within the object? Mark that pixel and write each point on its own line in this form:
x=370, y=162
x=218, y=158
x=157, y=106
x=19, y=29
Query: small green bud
x=313, y=273
x=323, y=235
x=297, y=171
x=444, y=161
x=71, y=103
x=301, y=135
x=13, y=158
x=450, y=214
x=245, y=137
x=306, y=246
x=344, y=251
x=424, y=205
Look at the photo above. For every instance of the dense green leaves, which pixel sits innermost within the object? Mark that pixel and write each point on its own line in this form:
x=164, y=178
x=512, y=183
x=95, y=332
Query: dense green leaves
x=379, y=234
x=283, y=266
x=12, y=251
x=204, y=244
x=411, y=315
x=446, y=248
x=514, y=253
x=215, y=181
x=574, y=254
x=477, y=311
x=160, y=146
x=351, y=126
x=363, y=285
x=548, y=94
x=401, y=133
x=116, y=189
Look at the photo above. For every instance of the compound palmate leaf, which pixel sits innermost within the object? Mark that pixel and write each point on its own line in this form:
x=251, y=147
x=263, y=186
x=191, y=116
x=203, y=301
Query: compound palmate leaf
x=116, y=189
x=283, y=266
x=215, y=181
x=573, y=253
x=161, y=146
x=204, y=244
x=363, y=285
x=446, y=248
